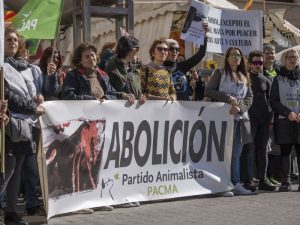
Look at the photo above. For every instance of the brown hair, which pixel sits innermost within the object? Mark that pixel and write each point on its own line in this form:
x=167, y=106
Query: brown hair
x=47, y=53
x=153, y=46
x=79, y=50
x=241, y=69
x=21, y=42
x=110, y=45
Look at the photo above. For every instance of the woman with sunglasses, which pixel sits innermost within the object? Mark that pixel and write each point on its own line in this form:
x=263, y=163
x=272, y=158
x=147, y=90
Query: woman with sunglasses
x=124, y=78
x=156, y=82
x=232, y=85
x=285, y=102
x=52, y=73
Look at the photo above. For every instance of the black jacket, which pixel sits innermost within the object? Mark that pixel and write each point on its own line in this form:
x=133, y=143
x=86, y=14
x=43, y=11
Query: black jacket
x=180, y=69
x=260, y=110
x=77, y=87
x=285, y=131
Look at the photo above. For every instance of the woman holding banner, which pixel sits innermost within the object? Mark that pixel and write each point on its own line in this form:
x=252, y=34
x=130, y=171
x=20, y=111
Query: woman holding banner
x=87, y=81
x=232, y=85
x=24, y=108
x=284, y=100
x=122, y=75
x=156, y=81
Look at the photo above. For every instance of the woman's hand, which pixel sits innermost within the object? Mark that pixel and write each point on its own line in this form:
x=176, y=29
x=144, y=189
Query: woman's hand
x=234, y=110
x=39, y=110
x=171, y=98
x=101, y=99
x=3, y=106
x=129, y=97
x=51, y=69
x=205, y=27
x=293, y=117
x=4, y=118
x=39, y=99
x=193, y=83
x=142, y=99
x=232, y=101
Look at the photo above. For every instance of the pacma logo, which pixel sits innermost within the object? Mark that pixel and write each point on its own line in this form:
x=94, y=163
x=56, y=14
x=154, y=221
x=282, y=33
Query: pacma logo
x=28, y=24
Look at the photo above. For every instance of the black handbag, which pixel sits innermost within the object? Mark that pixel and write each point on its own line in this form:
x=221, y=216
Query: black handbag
x=18, y=129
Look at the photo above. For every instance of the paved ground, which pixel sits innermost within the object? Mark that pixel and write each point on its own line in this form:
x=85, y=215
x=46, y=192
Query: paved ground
x=263, y=209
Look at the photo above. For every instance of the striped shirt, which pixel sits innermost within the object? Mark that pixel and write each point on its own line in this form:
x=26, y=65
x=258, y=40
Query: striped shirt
x=156, y=81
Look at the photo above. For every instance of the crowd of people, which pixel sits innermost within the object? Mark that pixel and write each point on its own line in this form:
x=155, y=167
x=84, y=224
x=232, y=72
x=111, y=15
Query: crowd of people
x=264, y=99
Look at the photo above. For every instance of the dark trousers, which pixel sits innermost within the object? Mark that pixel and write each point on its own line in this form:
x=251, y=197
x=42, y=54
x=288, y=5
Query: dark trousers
x=260, y=132
x=255, y=154
x=30, y=181
x=286, y=150
x=14, y=158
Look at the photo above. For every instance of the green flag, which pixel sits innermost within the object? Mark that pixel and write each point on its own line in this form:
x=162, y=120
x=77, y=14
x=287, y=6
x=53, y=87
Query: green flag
x=34, y=45
x=39, y=19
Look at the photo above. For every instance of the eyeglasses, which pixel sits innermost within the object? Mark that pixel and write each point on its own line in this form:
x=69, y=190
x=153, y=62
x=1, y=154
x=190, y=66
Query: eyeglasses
x=291, y=57
x=257, y=63
x=174, y=49
x=235, y=55
x=160, y=49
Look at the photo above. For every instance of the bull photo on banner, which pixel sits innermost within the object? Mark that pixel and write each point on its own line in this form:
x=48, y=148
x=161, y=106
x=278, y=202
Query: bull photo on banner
x=227, y=28
x=109, y=153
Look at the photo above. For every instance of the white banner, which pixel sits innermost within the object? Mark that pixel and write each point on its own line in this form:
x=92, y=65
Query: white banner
x=110, y=153
x=228, y=27
x=1, y=33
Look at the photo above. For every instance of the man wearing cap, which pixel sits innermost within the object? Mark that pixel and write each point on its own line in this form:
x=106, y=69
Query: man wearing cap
x=122, y=76
x=179, y=69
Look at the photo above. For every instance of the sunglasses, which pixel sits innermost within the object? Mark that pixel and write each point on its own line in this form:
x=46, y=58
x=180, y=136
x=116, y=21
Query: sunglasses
x=160, y=49
x=257, y=63
x=292, y=57
x=174, y=49
x=235, y=55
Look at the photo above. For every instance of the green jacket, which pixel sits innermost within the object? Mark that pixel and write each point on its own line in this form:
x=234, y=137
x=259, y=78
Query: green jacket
x=122, y=79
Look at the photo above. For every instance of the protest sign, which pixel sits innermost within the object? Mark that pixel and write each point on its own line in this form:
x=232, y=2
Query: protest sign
x=227, y=28
x=108, y=154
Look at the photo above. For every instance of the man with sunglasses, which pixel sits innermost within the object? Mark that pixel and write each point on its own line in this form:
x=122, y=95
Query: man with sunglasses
x=260, y=116
x=179, y=69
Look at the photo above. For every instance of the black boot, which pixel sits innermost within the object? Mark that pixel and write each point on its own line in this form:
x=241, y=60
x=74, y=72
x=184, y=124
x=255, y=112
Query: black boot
x=12, y=218
x=286, y=170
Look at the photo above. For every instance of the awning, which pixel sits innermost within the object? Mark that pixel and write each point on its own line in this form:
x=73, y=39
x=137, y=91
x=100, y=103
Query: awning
x=151, y=21
x=277, y=17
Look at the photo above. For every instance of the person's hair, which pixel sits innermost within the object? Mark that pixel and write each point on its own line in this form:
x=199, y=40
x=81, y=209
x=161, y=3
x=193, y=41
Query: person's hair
x=284, y=55
x=79, y=50
x=107, y=45
x=241, y=69
x=268, y=47
x=47, y=53
x=253, y=54
x=171, y=42
x=125, y=45
x=21, y=48
x=153, y=46
x=21, y=42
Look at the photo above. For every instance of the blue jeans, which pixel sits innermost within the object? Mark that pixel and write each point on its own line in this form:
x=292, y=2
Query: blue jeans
x=237, y=148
